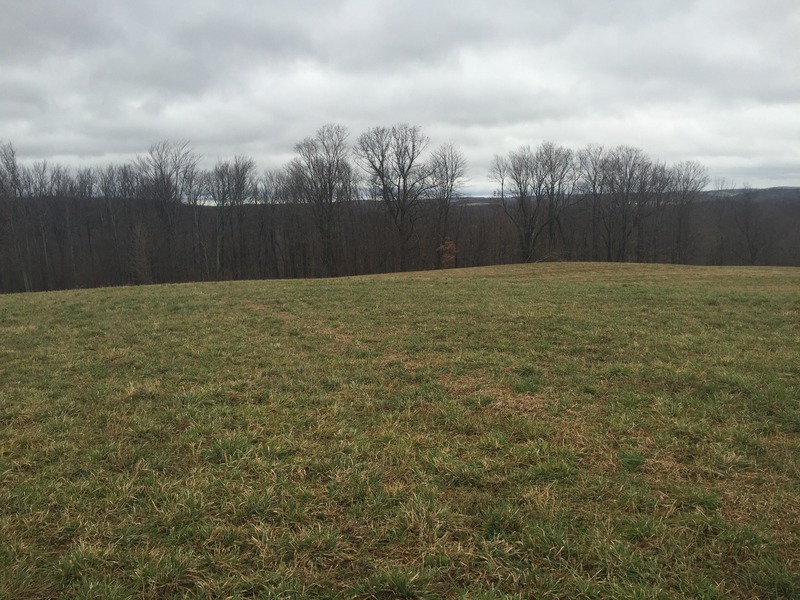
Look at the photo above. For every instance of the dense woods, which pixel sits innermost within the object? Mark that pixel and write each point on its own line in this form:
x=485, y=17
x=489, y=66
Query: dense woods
x=385, y=201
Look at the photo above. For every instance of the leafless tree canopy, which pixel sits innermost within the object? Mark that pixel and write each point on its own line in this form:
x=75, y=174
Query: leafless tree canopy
x=320, y=176
x=392, y=160
x=386, y=201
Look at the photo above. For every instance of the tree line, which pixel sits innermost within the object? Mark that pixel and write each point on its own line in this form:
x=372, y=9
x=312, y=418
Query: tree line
x=387, y=201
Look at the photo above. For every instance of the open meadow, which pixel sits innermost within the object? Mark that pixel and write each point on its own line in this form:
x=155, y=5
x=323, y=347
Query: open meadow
x=554, y=430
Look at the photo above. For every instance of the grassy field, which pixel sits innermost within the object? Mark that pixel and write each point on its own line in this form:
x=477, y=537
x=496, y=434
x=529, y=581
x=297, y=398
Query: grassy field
x=559, y=430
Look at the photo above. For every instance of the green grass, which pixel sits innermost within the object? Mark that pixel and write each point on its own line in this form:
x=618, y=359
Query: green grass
x=560, y=430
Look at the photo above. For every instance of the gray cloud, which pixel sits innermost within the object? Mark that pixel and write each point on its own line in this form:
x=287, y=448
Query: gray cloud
x=712, y=80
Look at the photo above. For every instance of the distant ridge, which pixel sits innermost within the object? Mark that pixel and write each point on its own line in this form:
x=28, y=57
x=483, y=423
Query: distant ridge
x=756, y=194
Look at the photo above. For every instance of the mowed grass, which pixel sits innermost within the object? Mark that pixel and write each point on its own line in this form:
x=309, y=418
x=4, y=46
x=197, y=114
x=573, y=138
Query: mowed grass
x=559, y=430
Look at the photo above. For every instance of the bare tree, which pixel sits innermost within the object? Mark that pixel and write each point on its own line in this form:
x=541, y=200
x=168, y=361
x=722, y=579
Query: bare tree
x=392, y=160
x=520, y=186
x=650, y=213
x=627, y=169
x=85, y=182
x=558, y=173
x=37, y=185
x=165, y=170
x=593, y=185
x=448, y=169
x=196, y=190
x=498, y=172
x=219, y=190
x=689, y=179
x=320, y=177
x=244, y=193
x=232, y=185
x=271, y=190
x=78, y=216
x=164, y=175
x=35, y=180
x=10, y=191
x=10, y=175
x=109, y=184
x=535, y=186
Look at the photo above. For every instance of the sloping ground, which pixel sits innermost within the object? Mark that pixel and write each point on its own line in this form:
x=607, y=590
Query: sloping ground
x=560, y=430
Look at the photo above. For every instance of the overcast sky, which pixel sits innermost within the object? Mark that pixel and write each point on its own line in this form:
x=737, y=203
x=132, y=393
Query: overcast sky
x=94, y=81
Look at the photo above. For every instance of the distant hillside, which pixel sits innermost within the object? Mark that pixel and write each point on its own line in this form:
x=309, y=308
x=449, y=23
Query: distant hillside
x=786, y=193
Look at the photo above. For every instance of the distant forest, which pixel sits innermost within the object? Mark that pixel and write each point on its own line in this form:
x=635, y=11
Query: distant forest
x=387, y=202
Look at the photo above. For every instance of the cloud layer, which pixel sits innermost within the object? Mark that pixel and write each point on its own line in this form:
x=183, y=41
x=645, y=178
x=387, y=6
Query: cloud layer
x=710, y=80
